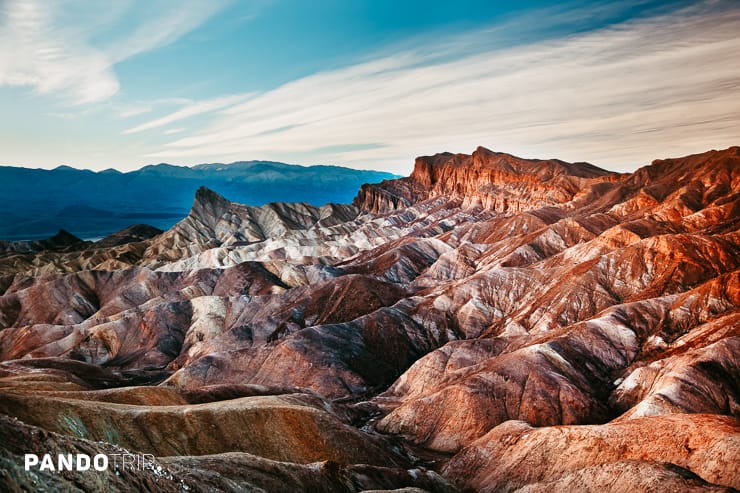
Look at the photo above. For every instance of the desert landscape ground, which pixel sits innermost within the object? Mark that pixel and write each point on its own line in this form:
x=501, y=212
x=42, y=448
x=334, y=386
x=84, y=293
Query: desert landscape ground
x=489, y=323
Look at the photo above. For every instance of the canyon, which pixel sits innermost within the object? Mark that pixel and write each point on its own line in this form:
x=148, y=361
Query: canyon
x=489, y=323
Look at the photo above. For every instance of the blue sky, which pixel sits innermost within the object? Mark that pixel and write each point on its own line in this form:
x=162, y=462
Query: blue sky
x=366, y=84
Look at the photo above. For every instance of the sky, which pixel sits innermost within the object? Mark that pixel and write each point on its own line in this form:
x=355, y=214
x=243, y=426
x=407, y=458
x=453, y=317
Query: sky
x=368, y=84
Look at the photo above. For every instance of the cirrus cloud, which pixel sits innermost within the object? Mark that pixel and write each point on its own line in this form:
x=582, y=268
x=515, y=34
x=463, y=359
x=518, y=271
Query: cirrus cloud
x=47, y=46
x=617, y=96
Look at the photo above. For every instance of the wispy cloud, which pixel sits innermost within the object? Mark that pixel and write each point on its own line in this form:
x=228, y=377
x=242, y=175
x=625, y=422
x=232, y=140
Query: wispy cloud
x=134, y=111
x=37, y=53
x=171, y=131
x=47, y=45
x=190, y=111
x=617, y=96
x=164, y=22
x=136, y=108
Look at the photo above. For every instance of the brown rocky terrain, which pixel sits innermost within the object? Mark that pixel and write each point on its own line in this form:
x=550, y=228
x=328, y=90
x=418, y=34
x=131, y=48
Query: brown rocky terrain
x=512, y=324
x=674, y=452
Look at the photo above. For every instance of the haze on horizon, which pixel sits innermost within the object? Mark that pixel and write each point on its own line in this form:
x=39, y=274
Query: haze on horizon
x=367, y=84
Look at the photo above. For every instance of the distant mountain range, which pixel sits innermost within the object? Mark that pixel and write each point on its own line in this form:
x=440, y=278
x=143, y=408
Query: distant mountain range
x=37, y=203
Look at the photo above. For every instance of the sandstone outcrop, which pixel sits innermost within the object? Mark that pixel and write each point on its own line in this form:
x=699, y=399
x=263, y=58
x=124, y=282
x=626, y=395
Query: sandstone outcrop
x=495, y=180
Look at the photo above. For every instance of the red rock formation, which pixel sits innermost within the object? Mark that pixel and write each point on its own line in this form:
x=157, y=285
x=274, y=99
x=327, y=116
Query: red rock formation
x=482, y=289
x=688, y=452
x=497, y=181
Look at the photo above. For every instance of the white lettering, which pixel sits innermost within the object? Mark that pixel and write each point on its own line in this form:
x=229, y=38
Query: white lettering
x=46, y=463
x=84, y=462
x=64, y=462
x=83, y=458
x=115, y=459
x=130, y=458
x=31, y=460
x=100, y=462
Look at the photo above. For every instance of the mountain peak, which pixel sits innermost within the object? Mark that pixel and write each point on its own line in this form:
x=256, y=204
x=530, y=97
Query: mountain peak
x=483, y=158
x=495, y=180
x=208, y=206
x=64, y=237
x=206, y=195
x=110, y=171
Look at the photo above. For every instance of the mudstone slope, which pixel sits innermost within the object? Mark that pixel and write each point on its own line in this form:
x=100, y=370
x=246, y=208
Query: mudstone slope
x=489, y=323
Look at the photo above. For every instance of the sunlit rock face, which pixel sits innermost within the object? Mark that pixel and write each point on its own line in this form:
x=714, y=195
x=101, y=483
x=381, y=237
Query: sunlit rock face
x=681, y=452
x=497, y=181
x=514, y=324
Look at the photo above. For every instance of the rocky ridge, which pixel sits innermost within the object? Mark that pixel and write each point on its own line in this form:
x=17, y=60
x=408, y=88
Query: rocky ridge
x=494, y=180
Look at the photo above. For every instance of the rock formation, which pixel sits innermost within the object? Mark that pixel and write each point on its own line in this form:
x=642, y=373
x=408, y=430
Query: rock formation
x=512, y=324
x=497, y=181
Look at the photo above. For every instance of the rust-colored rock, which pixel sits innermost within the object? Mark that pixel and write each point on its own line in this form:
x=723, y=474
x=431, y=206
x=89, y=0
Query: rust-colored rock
x=553, y=325
x=650, y=452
